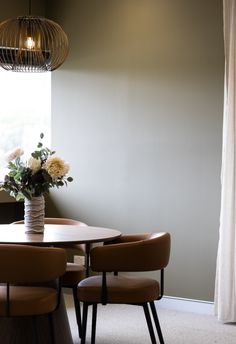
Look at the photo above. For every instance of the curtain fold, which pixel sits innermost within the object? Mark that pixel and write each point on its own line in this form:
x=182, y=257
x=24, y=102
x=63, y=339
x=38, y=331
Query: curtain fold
x=225, y=287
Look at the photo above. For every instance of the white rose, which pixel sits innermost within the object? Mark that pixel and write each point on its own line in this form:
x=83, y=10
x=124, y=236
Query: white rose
x=34, y=164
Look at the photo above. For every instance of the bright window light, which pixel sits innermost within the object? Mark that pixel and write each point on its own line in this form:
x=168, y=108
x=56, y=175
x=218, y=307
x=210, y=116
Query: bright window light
x=25, y=111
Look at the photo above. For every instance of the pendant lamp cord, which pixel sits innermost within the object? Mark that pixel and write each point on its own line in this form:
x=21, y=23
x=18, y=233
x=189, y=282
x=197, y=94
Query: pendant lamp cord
x=29, y=7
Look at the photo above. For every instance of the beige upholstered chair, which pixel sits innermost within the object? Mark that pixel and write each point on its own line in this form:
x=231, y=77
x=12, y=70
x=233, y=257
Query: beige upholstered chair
x=74, y=272
x=23, y=272
x=141, y=252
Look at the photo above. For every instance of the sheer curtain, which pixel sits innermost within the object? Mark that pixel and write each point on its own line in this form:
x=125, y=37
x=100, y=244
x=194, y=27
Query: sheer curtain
x=225, y=290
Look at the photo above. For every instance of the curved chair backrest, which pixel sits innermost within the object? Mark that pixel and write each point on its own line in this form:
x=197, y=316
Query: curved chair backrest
x=148, y=252
x=31, y=264
x=56, y=221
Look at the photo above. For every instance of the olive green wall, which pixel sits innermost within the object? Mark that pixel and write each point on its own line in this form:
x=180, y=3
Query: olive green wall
x=13, y=8
x=137, y=111
x=10, y=9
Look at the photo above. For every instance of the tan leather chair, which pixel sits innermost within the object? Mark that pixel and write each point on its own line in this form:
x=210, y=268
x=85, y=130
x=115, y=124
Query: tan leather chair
x=23, y=272
x=140, y=252
x=74, y=272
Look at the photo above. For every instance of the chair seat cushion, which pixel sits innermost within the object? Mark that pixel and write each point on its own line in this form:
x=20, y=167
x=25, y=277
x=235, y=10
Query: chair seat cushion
x=73, y=275
x=80, y=248
x=120, y=289
x=28, y=300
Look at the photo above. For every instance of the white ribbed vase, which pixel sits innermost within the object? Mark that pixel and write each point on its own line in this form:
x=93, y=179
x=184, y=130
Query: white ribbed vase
x=34, y=214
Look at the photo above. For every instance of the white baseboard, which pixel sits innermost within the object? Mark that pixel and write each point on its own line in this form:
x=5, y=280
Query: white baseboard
x=186, y=305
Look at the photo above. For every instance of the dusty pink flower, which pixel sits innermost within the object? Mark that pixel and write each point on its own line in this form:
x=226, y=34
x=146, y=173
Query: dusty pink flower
x=15, y=153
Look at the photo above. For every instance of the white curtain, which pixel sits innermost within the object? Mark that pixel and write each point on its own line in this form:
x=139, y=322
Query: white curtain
x=225, y=291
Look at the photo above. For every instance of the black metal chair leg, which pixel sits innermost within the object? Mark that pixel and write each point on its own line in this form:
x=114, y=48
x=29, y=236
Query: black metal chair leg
x=84, y=322
x=35, y=330
x=94, y=322
x=77, y=309
x=157, y=323
x=50, y=318
x=149, y=323
x=87, y=258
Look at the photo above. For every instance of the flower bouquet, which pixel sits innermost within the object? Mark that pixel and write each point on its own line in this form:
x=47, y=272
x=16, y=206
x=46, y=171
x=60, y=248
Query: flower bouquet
x=29, y=180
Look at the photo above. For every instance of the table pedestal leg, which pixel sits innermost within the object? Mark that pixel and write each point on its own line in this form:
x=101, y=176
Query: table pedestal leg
x=22, y=330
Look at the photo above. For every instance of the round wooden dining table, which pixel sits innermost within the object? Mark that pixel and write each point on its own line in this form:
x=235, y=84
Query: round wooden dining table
x=21, y=330
x=56, y=234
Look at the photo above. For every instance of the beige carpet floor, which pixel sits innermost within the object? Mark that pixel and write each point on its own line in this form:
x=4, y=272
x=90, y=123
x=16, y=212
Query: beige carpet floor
x=124, y=324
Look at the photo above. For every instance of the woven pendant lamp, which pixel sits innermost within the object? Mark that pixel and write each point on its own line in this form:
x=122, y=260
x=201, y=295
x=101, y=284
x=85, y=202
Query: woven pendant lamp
x=32, y=44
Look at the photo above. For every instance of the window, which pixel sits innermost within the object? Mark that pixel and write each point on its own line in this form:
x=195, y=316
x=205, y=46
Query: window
x=25, y=111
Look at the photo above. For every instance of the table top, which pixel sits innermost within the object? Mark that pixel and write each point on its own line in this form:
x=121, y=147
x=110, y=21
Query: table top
x=56, y=234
